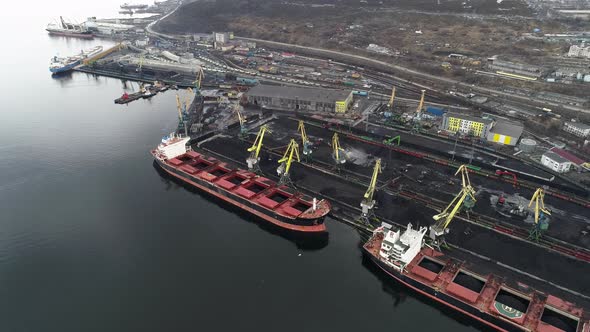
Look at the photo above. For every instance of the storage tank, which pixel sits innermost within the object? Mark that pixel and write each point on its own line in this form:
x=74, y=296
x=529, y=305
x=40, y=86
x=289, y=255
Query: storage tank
x=527, y=145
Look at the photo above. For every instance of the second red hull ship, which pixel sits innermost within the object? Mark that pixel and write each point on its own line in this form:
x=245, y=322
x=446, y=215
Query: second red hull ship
x=278, y=204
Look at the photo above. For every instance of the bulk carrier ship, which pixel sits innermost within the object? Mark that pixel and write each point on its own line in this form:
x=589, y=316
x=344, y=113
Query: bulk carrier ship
x=63, y=28
x=262, y=197
x=471, y=287
x=60, y=65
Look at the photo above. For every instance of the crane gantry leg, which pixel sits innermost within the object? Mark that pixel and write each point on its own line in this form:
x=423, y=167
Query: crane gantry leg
x=254, y=158
x=368, y=202
x=338, y=153
x=285, y=167
x=307, y=150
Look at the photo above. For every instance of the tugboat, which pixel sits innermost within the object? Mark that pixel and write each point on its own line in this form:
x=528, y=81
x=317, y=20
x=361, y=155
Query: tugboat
x=59, y=65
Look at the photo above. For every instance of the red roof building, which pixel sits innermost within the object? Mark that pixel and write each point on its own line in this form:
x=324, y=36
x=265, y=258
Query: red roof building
x=569, y=156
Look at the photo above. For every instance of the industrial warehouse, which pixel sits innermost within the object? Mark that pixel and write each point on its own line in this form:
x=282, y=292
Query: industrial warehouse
x=297, y=98
x=492, y=129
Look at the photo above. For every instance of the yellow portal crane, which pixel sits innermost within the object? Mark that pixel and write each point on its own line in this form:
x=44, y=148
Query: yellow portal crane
x=541, y=220
x=187, y=99
x=368, y=202
x=465, y=198
x=421, y=104
x=254, y=150
x=179, y=107
x=390, y=104
x=304, y=140
x=337, y=151
x=283, y=169
x=241, y=119
x=140, y=64
x=182, y=123
x=199, y=79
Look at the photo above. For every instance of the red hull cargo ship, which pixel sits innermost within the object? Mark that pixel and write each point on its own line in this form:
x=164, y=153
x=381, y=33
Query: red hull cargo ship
x=278, y=204
x=462, y=286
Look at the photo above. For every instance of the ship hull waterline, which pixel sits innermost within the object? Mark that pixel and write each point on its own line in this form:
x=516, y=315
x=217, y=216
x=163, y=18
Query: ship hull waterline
x=304, y=229
x=71, y=34
x=472, y=312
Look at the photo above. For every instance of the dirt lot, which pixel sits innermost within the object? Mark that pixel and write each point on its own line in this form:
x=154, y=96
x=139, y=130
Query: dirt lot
x=472, y=27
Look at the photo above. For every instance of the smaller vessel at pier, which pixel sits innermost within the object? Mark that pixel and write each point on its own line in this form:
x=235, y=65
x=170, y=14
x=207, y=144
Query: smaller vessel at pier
x=60, y=65
x=63, y=28
x=133, y=6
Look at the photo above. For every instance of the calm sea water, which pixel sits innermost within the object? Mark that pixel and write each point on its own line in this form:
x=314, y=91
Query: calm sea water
x=93, y=238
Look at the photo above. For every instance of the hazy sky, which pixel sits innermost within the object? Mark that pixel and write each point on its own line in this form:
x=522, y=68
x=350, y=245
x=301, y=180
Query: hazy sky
x=74, y=9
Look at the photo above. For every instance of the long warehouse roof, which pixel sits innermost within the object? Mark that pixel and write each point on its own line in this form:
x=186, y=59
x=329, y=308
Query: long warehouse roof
x=307, y=94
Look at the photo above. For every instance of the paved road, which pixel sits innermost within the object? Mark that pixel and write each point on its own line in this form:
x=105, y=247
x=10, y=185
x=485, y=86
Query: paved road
x=151, y=31
x=491, y=93
x=481, y=90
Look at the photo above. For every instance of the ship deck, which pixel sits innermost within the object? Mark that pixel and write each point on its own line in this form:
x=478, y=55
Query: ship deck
x=477, y=281
x=261, y=191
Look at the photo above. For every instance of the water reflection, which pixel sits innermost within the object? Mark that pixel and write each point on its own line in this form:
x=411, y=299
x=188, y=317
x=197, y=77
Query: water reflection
x=400, y=293
x=63, y=78
x=303, y=241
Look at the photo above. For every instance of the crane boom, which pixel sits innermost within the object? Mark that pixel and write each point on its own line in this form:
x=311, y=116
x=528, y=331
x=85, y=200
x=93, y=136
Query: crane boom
x=421, y=104
x=368, y=203
x=465, y=198
x=390, y=104
x=539, y=199
x=336, y=147
x=371, y=189
x=446, y=217
x=242, y=120
x=541, y=212
x=187, y=98
x=240, y=117
x=257, y=145
x=304, y=140
x=254, y=150
x=292, y=148
x=199, y=79
x=140, y=63
x=179, y=107
x=301, y=128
